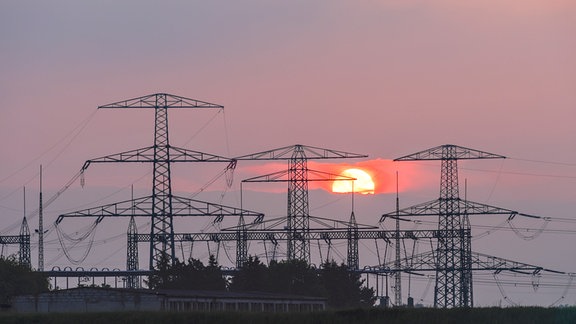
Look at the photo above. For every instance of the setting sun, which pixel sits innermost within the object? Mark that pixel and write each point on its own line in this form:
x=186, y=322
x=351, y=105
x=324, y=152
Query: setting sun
x=363, y=183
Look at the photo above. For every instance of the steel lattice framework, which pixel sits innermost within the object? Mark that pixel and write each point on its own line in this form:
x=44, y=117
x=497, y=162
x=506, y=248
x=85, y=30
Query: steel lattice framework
x=298, y=208
x=132, y=254
x=312, y=234
x=162, y=205
x=454, y=262
x=298, y=215
x=23, y=241
x=24, y=249
x=428, y=262
x=352, y=240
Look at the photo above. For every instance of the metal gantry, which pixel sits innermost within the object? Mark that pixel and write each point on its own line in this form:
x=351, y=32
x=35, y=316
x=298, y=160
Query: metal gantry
x=23, y=242
x=162, y=205
x=311, y=235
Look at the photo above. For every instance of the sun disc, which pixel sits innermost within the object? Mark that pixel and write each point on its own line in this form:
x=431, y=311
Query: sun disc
x=363, y=183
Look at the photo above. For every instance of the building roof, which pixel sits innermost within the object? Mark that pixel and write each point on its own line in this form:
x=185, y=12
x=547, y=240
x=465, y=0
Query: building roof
x=219, y=294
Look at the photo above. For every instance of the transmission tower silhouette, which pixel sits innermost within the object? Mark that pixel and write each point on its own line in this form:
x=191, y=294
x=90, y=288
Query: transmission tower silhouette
x=453, y=255
x=297, y=176
x=162, y=205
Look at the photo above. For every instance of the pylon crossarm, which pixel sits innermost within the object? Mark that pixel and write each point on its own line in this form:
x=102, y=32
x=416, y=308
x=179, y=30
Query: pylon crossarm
x=326, y=176
x=143, y=207
x=310, y=152
x=271, y=177
x=432, y=208
x=282, y=176
x=183, y=155
x=474, y=208
x=426, y=261
x=488, y=262
x=333, y=224
x=171, y=101
x=320, y=153
x=146, y=154
x=429, y=208
x=457, y=153
x=190, y=207
x=133, y=207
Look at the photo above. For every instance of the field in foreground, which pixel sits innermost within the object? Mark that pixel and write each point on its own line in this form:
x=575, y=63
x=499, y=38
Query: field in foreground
x=523, y=315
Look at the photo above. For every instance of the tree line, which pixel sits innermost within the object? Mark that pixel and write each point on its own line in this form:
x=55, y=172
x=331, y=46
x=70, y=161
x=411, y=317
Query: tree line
x=17, y=279
x=341, y=288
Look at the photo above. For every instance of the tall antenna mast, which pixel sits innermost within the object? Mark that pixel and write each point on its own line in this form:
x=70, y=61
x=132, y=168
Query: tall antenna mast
x=397, y=274
x=40, y=229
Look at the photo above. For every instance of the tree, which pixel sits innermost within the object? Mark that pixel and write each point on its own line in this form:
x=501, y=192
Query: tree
x=192, y=275
x=294, y=277
x=252, y=276
x=344, y=288
x=17, y=279
x=341, y=287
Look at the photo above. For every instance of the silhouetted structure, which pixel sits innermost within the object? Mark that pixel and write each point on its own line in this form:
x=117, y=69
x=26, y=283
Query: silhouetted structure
x=162, y=205
x=453, y=260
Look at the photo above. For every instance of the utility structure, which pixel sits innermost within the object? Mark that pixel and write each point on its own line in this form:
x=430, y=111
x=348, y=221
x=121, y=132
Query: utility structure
x=40, y=229
x=453, y=258
x=132, y=253
x=275, y=235
x=162, y=205
x=298, y=175
x=398, y=257
x=23, y=242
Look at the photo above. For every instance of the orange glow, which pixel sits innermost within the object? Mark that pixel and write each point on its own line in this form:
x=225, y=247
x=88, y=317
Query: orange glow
x=363, y=183
x=382, y=172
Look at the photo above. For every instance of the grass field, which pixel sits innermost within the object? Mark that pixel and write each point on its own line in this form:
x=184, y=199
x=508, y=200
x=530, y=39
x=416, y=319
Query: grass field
x=523, y=315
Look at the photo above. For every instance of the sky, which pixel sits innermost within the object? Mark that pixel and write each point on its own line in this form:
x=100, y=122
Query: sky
x=385, y=78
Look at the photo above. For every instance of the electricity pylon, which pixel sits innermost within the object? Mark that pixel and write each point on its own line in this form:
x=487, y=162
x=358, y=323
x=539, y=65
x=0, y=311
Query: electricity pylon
x=162, y=205
x=297, y=176
x=453, y=252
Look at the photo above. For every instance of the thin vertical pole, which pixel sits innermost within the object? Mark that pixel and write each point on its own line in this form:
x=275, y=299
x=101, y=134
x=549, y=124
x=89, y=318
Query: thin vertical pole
x=40, y=229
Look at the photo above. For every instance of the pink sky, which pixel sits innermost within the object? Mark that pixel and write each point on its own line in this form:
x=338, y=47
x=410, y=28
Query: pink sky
x=377, y=77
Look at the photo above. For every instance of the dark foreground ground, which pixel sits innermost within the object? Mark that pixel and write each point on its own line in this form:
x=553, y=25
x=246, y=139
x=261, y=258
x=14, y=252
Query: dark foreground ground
x=523, y=315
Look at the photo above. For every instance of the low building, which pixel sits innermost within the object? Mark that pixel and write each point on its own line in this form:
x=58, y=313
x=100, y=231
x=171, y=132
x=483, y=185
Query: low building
x=89, y=299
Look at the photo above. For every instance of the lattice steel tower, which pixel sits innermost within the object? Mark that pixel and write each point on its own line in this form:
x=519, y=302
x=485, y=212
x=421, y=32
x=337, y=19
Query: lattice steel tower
x=162, y=205
x=298, y=216
x=453, y=255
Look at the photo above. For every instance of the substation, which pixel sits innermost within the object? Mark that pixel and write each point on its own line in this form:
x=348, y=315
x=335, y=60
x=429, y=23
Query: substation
x=449, y=264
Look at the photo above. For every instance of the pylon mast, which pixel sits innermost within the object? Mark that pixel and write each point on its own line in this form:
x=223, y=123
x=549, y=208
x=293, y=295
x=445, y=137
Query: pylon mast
x=454, y=277
x=162, y=205
x=298, y=215
x=298, y=208
x=398, y=274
